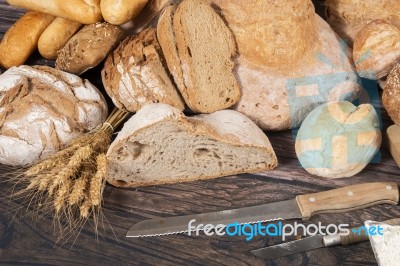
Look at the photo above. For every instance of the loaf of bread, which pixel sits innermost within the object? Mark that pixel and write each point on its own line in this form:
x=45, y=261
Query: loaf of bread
x=348, y=17
x=290, y=61
x=376, y=49
x=159, y=145
x=199, y=49
x=21, y=40
x=122, y=11
x=56, y=36
x=134, y=74
x=338, y=139
x=391, y=95
x=83, y=11
x=42, y=110
x=89, y=47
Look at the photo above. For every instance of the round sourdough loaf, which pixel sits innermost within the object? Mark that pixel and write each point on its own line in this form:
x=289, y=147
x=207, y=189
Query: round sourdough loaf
x=338, y=139
x=391, y=94
x=42, y=109
x=290, y=61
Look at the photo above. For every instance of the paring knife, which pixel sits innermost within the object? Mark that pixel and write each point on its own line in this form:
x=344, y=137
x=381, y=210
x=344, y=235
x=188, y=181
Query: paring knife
x=315, y=242
x=302, y=207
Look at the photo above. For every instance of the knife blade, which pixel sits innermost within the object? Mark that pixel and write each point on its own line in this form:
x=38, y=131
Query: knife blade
x=356, y=235
x=301, y=207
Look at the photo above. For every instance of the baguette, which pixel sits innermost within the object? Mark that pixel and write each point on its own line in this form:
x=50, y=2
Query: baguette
x=56, y=36
x=120, y=12
x=83, y=11
x=21, y=40
x=160, y=145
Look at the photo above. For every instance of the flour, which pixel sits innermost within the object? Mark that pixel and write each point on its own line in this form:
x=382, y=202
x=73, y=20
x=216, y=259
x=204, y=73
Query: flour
x=386, y=247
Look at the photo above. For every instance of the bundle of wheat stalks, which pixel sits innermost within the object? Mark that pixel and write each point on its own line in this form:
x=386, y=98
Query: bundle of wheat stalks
x=70, y=183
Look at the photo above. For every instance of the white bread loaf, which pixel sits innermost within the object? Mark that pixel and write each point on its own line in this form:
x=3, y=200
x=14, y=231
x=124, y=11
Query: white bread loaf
x=21, y=40
x=348, y=17
x=159, y=145
x=376, y=49
x=198, y=38
x=83, y=11
x=122, y=11
x=134, y=74
x=338, y=139
x=290, y=61
x=43, y=109
x=56, y=36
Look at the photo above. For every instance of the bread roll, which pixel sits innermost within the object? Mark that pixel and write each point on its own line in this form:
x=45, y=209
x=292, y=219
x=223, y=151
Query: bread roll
x=338, y=139
x=83, y=11
x=134, y=74
x=56, y=36
x=122, y=11
x=159, y=145
x=376, y=49
x=89, y=47
x=21, y=40
x=283, y=75
x=43, y=109
x=391, y=95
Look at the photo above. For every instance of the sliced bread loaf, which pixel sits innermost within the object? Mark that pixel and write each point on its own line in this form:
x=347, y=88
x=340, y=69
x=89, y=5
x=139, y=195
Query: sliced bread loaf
x=200, y=51
x=134, y=74
x=159, y=145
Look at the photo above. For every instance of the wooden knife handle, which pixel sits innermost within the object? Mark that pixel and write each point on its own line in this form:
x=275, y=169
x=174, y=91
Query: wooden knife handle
x=348, y=198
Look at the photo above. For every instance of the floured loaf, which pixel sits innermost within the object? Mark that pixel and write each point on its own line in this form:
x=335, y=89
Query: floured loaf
x=134, y=74
x=42, y=109
x=160, y=145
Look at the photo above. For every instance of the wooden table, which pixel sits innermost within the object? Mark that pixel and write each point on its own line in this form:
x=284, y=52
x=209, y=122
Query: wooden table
x=24, y=240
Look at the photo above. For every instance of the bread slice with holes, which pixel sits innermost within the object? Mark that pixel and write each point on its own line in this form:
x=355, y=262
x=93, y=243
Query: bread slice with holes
x=159, y=145
x=200, y=51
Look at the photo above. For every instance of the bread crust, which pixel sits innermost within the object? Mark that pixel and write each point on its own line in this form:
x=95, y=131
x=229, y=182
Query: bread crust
x=21, y=40
x=122, y=11
x=391, y=95
x=83, y=11
x=56, y=36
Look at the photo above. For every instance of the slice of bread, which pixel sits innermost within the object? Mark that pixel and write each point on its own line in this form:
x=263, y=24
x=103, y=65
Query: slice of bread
x=200, y=51
x=159, y=145
x=134, y=74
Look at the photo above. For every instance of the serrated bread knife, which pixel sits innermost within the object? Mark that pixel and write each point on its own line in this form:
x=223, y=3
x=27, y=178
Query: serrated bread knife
x=356, y=235
x=302, y=207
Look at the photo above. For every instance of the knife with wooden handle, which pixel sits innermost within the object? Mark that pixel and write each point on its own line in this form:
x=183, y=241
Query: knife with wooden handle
x=302, y=207
x=356, y=235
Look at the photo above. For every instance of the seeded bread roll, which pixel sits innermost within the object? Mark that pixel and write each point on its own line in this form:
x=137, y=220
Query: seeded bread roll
x=134, y=74
x=89, y=47
x=83, y=11
x=377, y=49
x=56, y=36
x=21, y=40
x=122, y=11
x=391, y=94
x=41, y=110
x=159, y=145
x=200, y=51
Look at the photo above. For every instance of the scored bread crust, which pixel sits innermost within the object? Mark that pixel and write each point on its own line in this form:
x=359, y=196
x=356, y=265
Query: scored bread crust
x=134, y=74
x=225, y=127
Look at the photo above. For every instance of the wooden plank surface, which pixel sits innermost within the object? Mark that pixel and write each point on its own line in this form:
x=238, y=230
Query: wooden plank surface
x=26, y=240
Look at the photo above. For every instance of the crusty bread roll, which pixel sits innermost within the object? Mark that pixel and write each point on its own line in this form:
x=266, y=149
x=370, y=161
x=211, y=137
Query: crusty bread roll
x=83, y=11
x=205, y=49
x=376, y=49
x=338, y=139
x=391, y=95
x=43, y=109
x=122, y=11
x=134, y=74
x=21, y=40
x=159, y=145
x=89, y=47
x=290, y=61
x=56, y=36
x=348, y=17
